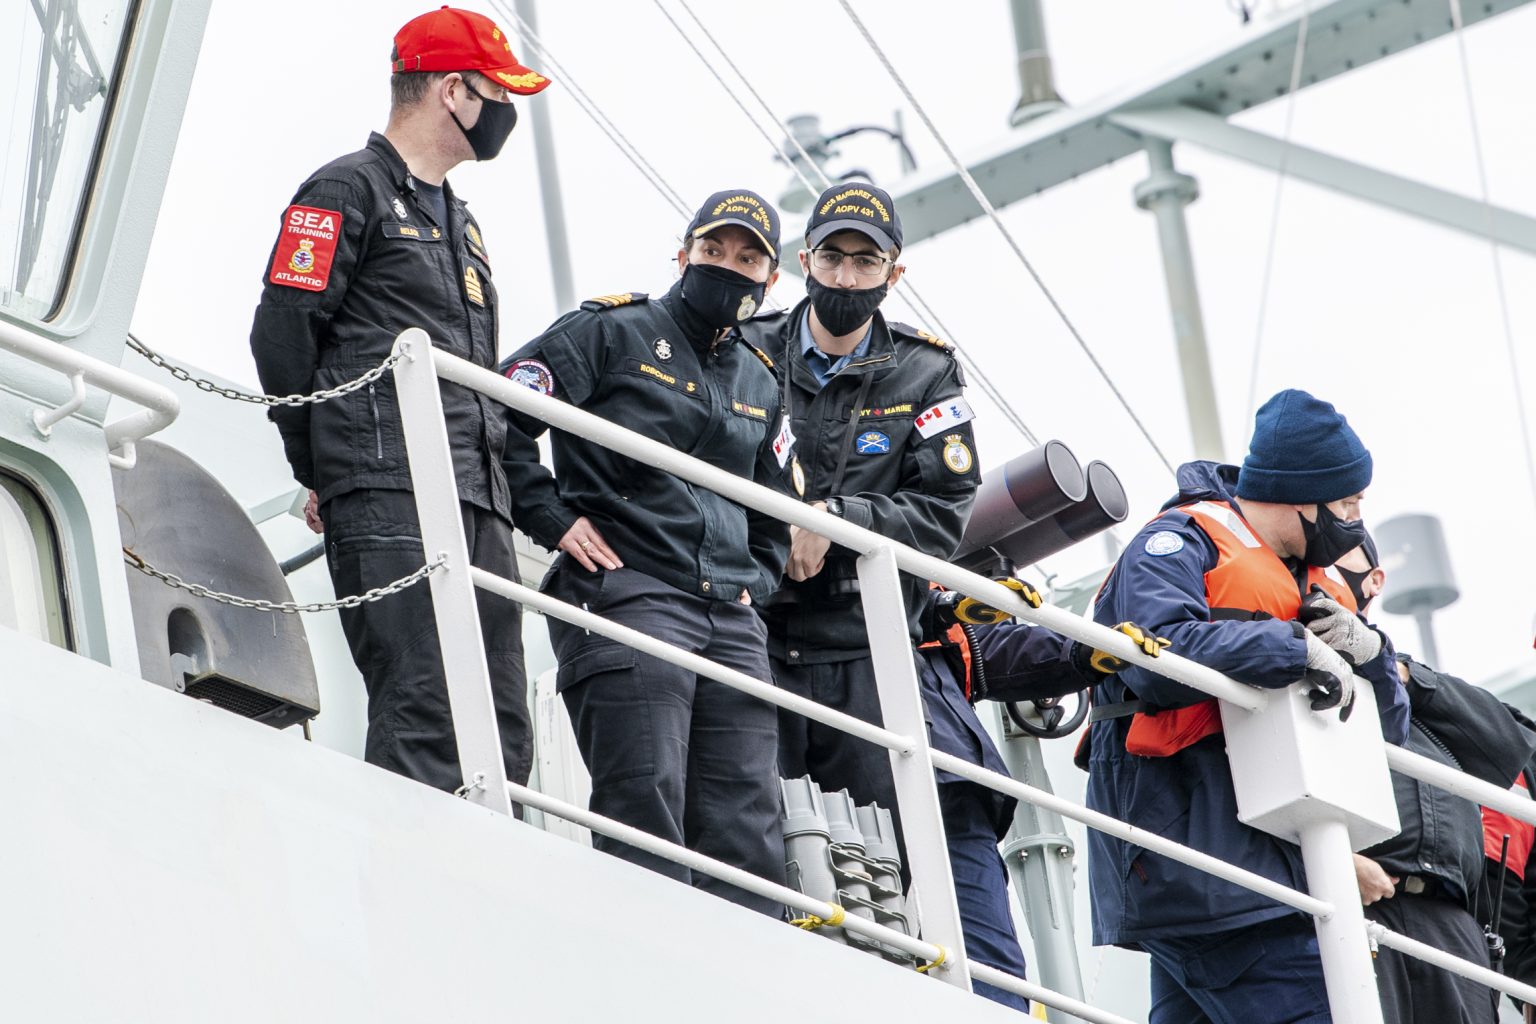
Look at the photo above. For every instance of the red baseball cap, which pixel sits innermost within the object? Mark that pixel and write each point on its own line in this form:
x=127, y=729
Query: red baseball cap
x=451, y=39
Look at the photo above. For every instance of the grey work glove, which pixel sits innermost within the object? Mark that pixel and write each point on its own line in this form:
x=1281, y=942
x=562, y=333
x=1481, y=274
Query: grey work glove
x=1329, y=678
x=1340, y=628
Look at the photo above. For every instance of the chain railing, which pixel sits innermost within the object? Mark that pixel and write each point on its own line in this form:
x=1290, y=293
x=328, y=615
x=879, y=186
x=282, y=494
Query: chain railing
x=170, y=579
x=234, y=394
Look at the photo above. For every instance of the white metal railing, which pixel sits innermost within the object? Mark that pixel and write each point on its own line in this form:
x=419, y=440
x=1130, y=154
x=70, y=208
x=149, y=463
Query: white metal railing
x=160, y=404
x=913, y=762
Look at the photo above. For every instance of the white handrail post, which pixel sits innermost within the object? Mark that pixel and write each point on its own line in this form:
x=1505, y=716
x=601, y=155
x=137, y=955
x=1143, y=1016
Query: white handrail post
x=1342, y=941
x=917, y=795
x=453, y=589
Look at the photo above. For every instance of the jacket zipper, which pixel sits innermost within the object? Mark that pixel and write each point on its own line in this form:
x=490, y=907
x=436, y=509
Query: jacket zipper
x=378, y=430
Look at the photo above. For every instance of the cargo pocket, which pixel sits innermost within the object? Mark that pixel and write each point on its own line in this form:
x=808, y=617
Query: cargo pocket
x=1220, y=963
x=610, y=709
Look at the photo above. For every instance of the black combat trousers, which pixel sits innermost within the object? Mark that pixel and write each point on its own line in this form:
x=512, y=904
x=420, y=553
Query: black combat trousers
x=373, y=537
x=1414, y=992
x=673, y=754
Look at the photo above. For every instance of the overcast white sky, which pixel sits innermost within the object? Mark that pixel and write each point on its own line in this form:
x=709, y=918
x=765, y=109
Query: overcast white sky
x=1393, y=320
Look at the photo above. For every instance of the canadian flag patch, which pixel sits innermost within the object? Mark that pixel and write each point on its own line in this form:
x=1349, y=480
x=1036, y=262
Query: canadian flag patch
x=943, y=415
x=305, y=248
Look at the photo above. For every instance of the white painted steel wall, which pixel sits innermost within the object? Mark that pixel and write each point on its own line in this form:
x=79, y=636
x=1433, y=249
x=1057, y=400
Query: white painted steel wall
x=165, y=861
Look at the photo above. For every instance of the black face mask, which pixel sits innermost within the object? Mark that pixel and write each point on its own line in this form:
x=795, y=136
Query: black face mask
x=1330, y=538
x=843, y=310
x=490, y=132
x=719, y=297
x=1356, y=583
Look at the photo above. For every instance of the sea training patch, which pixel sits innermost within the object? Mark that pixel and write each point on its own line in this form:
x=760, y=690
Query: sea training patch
x=1163, y=542
x=957, y=455
x=944, y=415
x=305, y=248
x=872, y=442
x=532, y=374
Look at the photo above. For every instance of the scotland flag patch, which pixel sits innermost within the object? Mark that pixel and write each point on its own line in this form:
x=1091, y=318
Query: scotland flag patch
x=872, y=442
x=1164, y=542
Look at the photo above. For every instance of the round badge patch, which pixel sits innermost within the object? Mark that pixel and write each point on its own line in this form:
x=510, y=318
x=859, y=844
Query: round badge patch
x=1164, y=542
x=531, y=373
x=957, y=456
x=663, y=349
x=797, y=475
x=746, y=309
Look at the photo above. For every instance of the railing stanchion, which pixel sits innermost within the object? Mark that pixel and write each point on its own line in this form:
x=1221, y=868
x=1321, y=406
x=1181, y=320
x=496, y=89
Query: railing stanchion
x=917, y=794
x=1341, y=937
x=453, y=591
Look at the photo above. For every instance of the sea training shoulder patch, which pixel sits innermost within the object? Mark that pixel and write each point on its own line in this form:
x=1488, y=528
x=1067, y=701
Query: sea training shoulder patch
x=614, y=301
x=532, y=374
x=305, y=248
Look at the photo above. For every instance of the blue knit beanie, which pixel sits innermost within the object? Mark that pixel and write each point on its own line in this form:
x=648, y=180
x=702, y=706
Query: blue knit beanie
x=1303, y=452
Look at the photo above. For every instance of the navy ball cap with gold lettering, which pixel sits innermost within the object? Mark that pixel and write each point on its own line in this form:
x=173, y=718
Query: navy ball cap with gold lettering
x=855, y=206
x=741, y=207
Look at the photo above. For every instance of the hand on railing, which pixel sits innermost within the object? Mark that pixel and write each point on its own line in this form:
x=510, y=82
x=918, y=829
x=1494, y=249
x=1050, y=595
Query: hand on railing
x=1339, y=628
x=1329, y=678
x=807, y=550
x=1106, y=664
x=952, y=606
x=583, y=543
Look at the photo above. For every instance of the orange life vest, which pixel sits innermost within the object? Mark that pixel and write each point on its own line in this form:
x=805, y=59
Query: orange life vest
x=954, y=637
x=1522, y=834
x=1248, y=581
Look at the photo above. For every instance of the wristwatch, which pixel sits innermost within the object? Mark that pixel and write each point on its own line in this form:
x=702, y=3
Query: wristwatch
x=835, y=506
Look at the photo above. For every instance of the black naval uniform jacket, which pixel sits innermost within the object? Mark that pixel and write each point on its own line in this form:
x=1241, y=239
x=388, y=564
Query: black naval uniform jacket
x=890, y=434
x=357, y=261
x=650, y=366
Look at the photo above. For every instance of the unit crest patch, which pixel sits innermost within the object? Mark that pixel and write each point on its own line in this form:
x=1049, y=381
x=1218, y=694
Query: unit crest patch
x=1164, y=542
x=305, y=248
x=797, y=477
x=532, y=374
x=872, y=442
x=957, y=454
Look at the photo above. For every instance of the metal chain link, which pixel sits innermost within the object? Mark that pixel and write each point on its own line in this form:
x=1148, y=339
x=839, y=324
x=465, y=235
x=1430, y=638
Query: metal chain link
x=241, y=396
x=286, y=607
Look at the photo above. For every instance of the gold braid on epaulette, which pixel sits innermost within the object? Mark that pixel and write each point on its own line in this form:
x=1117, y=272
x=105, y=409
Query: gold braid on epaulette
x=917, y=334
x=612, y=301
x=759, y=353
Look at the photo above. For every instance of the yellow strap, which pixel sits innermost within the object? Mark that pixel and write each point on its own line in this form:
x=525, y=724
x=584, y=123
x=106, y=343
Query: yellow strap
x=810, y=922
x=937, y=961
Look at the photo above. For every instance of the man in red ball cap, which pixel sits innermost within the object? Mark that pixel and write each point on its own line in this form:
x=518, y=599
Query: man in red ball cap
x=373, y=243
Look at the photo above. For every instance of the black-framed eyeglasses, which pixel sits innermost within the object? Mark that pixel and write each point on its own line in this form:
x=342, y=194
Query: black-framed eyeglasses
x=865, y=264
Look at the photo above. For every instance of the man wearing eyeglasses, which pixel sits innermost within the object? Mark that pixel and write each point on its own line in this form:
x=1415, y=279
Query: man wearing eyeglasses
x=875, y=414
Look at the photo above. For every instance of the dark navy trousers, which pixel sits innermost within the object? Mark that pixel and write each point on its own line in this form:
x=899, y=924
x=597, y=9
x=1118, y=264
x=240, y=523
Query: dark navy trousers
x=981, y=886
x=1269, y=973
x=679, y=756
x=372, y=538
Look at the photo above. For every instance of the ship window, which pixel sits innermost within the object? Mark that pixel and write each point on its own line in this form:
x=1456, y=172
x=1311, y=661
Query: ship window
x=62, y=72
x=31, y=576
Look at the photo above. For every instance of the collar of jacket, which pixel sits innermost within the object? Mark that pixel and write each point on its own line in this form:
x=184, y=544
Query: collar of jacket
x=879, y=361
x=697, y=333
x=401, y=174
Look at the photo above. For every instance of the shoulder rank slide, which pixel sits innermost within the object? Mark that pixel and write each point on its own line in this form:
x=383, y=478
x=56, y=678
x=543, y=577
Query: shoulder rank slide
x=758, y=352
x=603, y=302
x=917, y=334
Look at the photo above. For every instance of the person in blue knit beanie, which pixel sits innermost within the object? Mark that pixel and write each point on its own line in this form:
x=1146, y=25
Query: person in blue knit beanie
x=1222, y=572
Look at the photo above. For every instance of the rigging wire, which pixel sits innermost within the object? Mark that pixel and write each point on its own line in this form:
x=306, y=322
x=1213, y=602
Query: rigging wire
x=1457, y=27
x=1274, y=215
x=593, y=111
x=991, y=212
x=905, y=289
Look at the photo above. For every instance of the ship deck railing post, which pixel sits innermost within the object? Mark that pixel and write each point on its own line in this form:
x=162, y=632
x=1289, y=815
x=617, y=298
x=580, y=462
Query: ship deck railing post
x=453, y=590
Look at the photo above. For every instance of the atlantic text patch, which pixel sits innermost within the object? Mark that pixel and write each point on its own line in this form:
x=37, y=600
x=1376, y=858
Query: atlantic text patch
x=305, y=248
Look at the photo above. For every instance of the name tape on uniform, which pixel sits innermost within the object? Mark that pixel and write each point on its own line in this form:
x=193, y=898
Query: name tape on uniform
x=305, y=248
x=943, y=415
